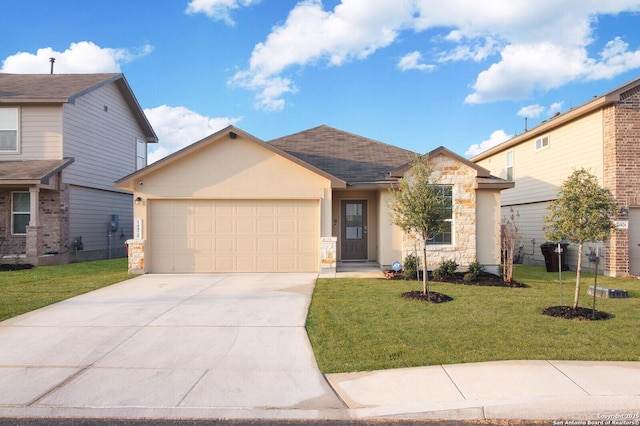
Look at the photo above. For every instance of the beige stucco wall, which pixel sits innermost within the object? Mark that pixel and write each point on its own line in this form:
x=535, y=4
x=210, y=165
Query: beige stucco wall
x=488, y=229
x=235, y=169
x=389, y=235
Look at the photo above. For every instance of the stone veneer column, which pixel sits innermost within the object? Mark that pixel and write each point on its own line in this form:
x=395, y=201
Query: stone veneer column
x=328, y=252
x=135, y=254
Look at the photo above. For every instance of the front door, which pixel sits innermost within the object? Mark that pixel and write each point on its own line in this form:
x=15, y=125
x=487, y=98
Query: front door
x=354, y=230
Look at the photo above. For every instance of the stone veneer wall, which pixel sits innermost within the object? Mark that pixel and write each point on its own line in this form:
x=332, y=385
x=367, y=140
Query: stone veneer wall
x=622, y=171
x=328, y=252
x=463, y=249
x=135, y=255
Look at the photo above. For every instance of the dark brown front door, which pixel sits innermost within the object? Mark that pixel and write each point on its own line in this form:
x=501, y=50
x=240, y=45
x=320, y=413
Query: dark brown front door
x=354, y=230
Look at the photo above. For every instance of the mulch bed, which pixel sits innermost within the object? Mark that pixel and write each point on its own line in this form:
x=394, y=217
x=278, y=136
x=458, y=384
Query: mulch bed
x=484, y=279
x=434, y=297
x=15, y=266
x=578, y=314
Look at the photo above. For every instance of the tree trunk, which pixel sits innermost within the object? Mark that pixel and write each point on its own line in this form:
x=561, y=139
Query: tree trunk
x=578, y=270
x=425, y=272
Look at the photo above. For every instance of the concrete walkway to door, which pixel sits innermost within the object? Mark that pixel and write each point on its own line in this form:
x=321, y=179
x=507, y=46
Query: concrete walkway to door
x=169, y=346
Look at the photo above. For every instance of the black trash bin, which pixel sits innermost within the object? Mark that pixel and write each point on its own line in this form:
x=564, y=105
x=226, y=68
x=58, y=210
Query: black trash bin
x=551, y=257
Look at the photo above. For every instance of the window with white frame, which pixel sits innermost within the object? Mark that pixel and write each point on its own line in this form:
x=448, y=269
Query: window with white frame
x=9, y=136
x=20, y=212
x=141, y=154
x=509, y=165
x=542, y=143
x=445, y=237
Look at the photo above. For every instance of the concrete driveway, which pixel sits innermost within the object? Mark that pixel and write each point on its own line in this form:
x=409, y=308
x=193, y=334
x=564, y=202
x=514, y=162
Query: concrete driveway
x=170, y=346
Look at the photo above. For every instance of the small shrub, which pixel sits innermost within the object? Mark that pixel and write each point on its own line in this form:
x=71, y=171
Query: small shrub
x=446, y=269
x=410, y=267
x=475, y=269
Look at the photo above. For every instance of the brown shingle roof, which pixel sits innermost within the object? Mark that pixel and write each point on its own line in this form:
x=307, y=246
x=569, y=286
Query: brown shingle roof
x=30, y=172
x=50, y=87
x=349, y=157
x=62, y=88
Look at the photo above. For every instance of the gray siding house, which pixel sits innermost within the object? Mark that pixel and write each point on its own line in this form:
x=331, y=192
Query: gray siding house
x=64, y=140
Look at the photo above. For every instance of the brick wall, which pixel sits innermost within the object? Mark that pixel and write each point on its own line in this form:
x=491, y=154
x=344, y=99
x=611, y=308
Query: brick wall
x=9, y=244
x=54, y=218
x=622, y=171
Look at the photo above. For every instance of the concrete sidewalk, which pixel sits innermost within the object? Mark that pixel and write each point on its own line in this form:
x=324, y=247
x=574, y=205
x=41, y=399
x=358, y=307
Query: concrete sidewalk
x=542, y=390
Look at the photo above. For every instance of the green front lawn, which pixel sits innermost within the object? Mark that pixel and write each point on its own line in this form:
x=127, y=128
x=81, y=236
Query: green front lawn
x=364, y=324
x=27, y=290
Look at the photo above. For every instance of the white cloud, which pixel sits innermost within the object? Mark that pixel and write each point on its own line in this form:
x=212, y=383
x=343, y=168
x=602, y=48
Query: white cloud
x=178, y=127
x=615, y=59
x=412, y=61
x=81, y=57
x=536, y=48
x=219, y=10
x=535, y=110
x=531, y=111
x=352, y=31
x=555, y=107
x=495, y=139
x=475, y=50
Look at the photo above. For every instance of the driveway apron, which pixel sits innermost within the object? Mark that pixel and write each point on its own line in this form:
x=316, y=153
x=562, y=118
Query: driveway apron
x=173, y=346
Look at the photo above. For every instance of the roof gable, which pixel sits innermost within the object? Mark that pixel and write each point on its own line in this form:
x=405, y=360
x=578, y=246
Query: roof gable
x=349, y=157
x=128, y=182
x=484, y=179
x=441, y=150
x=19, y=89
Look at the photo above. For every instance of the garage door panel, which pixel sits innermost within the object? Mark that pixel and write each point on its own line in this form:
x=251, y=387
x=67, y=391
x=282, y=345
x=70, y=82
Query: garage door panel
x=245, y=226
x=223, y=225
x=233, y=235
x=265, y=226
x=224, y=245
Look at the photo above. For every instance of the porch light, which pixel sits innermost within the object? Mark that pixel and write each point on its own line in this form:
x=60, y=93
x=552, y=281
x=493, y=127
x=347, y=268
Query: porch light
x=138, y=201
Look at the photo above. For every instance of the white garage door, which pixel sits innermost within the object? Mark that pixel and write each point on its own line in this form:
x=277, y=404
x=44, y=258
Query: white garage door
x=233, y=236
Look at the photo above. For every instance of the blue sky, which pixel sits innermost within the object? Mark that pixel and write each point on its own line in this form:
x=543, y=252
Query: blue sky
x=413, y=73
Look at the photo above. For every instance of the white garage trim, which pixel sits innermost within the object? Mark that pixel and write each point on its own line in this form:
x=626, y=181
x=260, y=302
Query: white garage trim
x=204, y=236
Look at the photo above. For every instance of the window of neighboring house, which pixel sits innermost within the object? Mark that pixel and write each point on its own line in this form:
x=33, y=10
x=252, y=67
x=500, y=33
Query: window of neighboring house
x=542, y=143
x=141, y=154
x=20, y=212
x=445, y=236
x=9, y=130
x=509, y=165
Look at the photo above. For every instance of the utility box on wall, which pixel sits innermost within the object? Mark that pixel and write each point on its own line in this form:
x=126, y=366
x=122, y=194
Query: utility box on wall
x=114, y=225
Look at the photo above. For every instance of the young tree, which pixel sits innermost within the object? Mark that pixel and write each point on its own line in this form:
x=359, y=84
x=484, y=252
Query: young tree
x=419, y=207
x=510, y=243
x=582, y=213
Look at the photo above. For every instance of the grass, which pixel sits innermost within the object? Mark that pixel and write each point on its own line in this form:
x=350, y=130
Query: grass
x=27, y=290
x=364, y=324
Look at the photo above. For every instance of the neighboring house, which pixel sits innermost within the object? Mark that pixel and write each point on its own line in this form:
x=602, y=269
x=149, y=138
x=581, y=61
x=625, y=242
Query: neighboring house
x=603, y=136
x=64, y=140
x=234, y=203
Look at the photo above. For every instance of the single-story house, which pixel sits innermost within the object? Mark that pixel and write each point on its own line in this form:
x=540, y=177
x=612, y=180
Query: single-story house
x=234, y=203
